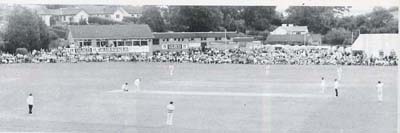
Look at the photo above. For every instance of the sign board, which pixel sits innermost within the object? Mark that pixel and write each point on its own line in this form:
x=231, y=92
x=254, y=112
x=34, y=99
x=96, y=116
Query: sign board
x=174, y=46
x=106, y=50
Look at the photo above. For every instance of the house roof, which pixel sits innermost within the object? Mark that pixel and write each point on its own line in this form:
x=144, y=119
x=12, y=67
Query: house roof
x=292, y=28
x=99, y=9
x=293, y=38
x=196, y=34
x=285, y=38
x=110, y=31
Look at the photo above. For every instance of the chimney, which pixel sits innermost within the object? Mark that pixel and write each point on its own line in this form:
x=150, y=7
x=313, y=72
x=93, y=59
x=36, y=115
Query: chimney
x=290, y=25
x=283, y=25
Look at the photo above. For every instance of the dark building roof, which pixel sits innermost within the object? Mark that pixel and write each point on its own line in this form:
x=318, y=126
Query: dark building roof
x=110, y=31
x=293, y=38
x=196, y=34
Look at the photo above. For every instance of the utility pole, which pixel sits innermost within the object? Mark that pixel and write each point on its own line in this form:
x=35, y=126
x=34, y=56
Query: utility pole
x=225, y=40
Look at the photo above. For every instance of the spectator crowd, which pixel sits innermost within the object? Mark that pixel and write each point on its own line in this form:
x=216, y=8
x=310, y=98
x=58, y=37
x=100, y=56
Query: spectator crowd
x=261, y=55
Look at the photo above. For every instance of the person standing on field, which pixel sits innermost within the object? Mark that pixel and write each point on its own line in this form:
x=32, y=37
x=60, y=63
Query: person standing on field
x=323, y=85
x=336, y=87
x=29, y=101
x=137, y=84
x=379, y=89
x=170, y=113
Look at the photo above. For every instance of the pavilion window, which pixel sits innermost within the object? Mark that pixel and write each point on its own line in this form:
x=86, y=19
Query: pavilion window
x=143, y=43
x=98, y=44
x=120, y=43
x=87, y=43
x=136, y=43
x=128, y=43
x=103, y=43
x=156, y=41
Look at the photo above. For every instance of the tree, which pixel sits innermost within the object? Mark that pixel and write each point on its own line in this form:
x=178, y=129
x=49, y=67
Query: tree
x=259, y=18
x=319, y=19
x=339, y=36
x=195, y=18
x=25, y=30
x=152, y=17
x=380, y=20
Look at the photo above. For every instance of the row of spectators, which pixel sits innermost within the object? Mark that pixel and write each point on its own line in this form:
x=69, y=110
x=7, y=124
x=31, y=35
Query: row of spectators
x=262, y=55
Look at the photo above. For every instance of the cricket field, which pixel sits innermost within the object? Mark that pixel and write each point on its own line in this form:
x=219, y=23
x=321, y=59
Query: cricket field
x=209, y=98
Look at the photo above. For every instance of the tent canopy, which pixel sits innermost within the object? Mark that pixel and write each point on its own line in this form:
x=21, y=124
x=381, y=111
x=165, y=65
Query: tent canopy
x=376, y=44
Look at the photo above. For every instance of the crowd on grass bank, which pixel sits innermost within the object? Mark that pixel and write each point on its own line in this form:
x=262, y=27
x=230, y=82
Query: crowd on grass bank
x=262, y=55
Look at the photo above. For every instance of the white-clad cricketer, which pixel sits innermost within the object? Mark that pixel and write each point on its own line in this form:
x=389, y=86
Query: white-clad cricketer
x=379, y=89
x=170, y=113
x=137, y=84
x=29, y=101
x=124, y=87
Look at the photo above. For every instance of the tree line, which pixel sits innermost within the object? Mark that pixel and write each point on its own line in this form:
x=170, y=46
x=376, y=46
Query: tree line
x=26, y=29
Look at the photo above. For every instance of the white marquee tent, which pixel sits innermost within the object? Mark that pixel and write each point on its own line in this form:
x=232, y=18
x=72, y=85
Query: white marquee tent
x=377, y=44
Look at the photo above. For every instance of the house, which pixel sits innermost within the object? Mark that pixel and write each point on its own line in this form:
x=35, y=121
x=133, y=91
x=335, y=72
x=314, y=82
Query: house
x=295, y=39
x=177, y=41
x=290, y=29
x=115, y=13
x=377, y=45
x=133, y=38
x=82, y=13
x=293, y=35
x=63, y=16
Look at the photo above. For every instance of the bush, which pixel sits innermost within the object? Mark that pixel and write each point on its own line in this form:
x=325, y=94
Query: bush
x=22, y=51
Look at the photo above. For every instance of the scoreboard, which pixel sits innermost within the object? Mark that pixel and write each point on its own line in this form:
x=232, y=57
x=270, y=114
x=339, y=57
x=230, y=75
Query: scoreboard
x=174, y=46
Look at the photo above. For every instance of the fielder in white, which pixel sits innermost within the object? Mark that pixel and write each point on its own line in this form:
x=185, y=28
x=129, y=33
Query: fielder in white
x=29, y=101
x=124, y=87
x=323, y=85
x=137, y=84
x=379, y=89
x=336, y=87
x=171, y=69
x=170, y=113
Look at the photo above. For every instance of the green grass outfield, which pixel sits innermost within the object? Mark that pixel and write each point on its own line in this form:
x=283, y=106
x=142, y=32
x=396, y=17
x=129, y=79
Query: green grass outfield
x=208, y=98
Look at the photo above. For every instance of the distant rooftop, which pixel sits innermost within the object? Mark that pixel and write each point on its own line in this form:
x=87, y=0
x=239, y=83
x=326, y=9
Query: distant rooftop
x=196, y=34
x=110, y=31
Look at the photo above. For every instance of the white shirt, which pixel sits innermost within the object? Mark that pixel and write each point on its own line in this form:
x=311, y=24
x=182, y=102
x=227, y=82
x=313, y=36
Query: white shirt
x=137, y=82
x=170, y=108
x=29, y=100
x=124, y=87
x=379, y=87
x=323, y=83
x=336, y=85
